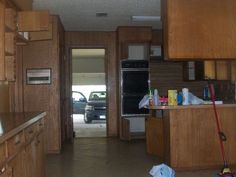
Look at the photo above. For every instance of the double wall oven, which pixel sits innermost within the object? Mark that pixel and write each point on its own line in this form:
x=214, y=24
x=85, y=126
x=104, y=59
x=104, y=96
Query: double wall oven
x=134, y=85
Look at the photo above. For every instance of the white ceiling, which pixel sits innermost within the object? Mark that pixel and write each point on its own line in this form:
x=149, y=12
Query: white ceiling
x=80, y=15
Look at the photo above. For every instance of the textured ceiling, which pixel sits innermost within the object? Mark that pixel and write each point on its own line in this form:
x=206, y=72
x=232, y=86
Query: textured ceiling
x=80, y=15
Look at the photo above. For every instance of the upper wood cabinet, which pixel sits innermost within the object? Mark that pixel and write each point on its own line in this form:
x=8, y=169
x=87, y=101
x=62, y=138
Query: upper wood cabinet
x=210, y=69
x=196, y=29
x=33, y=21
x=7, y=41
x=2, y=41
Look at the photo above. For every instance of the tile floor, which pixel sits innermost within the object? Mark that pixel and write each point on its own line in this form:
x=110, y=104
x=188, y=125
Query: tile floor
x=107, y=157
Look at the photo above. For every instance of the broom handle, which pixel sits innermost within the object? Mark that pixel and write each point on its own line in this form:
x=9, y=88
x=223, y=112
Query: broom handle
x=220, y=133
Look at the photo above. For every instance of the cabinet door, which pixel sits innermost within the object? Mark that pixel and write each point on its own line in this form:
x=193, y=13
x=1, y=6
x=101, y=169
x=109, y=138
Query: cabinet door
x=2, y=39
x=199, y=29
x=33, y=21
x=222, y=70
x=30, y=159
x=42, y=35
x=40, y=155
x=209, y=70
x=233, y=71
x=155, y=136
x=18, y=165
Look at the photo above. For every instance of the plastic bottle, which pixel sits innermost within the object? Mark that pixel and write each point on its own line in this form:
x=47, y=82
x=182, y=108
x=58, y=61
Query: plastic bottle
x=156, y=97
x=185, y=96
x=150, y=98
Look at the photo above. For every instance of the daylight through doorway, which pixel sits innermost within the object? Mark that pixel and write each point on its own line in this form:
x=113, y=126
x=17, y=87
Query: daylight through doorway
x=89, y=92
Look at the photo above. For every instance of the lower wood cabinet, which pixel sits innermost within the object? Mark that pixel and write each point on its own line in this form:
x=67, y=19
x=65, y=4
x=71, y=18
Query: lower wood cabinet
x=17, y=165
x=30, y=159
x=6, y=172
x=23, y=153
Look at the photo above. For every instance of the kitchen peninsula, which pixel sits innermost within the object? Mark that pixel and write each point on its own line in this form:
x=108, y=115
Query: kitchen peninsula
x=185, y=137
x=22, y=144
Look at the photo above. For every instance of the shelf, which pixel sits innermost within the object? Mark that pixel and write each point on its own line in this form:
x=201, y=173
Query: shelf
x=21, y=40
x=10, y=20
x=10, y=68
x=10, y=43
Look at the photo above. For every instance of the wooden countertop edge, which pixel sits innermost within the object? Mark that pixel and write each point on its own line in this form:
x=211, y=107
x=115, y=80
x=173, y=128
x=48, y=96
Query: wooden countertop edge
x=14, y=131
x=190, y=107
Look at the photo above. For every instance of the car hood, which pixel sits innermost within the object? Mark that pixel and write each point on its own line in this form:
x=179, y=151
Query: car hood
x=97, y=103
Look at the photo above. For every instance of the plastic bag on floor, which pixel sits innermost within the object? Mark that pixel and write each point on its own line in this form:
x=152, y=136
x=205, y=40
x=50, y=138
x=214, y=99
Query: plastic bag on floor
x=162, y=171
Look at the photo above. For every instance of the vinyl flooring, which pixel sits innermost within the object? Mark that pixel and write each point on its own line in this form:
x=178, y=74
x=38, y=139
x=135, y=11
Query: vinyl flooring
x=107, y=157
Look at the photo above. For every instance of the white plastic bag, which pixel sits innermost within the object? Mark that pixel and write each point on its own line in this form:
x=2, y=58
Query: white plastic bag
x=194, y=99
x=144, y=102
x=162, y=170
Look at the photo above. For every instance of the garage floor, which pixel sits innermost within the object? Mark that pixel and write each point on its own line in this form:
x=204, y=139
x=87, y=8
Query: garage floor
x=94, y=129
x=107, y=157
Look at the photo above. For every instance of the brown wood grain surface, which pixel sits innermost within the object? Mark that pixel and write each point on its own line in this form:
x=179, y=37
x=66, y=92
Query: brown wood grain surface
x=2, y=41
x=105, y=40
x=45, y=54
x=190, y=137
x=199, y=29
x=4, y=95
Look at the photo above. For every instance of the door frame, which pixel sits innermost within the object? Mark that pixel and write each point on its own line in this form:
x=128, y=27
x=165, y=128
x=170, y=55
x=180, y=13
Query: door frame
x=106, y=80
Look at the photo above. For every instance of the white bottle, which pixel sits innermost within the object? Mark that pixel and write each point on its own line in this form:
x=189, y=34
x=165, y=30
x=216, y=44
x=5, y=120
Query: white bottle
x=156, y=97
x=185, y=96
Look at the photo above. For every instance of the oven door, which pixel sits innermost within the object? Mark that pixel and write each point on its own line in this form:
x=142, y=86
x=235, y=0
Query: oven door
x=134, y=81
x=129, y=106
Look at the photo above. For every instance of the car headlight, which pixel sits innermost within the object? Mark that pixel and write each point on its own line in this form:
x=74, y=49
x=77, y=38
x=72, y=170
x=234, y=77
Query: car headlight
x=90, y=108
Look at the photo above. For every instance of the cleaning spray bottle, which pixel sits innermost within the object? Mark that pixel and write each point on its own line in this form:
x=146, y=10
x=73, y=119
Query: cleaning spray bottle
x=156, y=97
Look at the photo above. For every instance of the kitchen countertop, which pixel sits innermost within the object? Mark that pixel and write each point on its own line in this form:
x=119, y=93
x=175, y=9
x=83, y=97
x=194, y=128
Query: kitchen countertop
x=190, y=106
x=12, y=123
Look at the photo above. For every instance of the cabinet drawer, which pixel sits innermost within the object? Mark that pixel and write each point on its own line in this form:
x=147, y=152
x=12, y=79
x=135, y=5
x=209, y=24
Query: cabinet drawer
x=2, y=153
x=30, y=132
x=15, y=143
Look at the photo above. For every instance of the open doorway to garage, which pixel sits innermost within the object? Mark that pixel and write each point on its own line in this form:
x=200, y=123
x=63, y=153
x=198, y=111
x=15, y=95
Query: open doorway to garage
x=89, y=92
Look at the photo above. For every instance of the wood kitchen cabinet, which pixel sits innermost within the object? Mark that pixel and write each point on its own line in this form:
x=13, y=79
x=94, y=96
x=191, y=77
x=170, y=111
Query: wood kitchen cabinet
x=233, y=71
x=2, y=41
x=33, y=21
x=199, y=29
x=6, y=172
x=7, y=41
x=14, y=149
x=209, y=69
x=17, y=164
x=22, y=148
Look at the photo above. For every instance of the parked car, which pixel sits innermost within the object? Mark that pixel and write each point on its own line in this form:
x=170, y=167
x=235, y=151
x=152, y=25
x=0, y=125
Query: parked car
x=79, y=102
x=96, y=107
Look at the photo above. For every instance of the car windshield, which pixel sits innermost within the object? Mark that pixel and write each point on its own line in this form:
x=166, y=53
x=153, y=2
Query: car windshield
x=77, y=96
x=97, y=96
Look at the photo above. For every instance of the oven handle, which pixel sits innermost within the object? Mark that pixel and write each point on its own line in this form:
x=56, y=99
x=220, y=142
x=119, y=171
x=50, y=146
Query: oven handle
x=134, y=69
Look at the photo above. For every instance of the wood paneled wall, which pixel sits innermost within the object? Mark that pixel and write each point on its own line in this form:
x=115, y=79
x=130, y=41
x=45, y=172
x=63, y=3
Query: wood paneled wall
x=105, y=40
x=45, y=54
x=169, y=75
x=4, y=97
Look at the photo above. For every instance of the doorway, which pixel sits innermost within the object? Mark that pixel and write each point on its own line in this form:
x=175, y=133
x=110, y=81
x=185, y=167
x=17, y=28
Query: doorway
x=89, y=93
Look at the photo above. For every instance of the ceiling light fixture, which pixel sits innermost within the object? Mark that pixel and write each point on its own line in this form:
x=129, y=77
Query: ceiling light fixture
x=145, y=18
